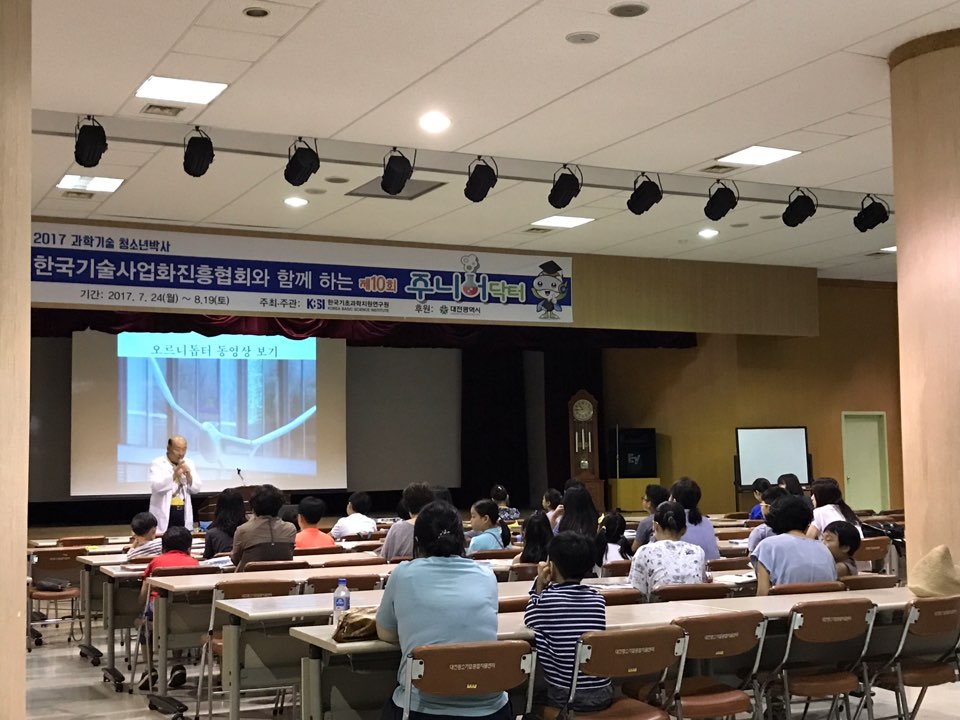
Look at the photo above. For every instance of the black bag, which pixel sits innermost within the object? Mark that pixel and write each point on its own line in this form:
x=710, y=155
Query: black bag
x=51, y=584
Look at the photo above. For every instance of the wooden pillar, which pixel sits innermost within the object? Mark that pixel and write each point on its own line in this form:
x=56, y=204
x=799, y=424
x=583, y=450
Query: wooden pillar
x=14, y=345
x=925, y=101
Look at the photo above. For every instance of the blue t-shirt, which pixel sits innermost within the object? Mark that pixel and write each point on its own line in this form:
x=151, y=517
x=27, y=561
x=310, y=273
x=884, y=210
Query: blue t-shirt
x=756, y=513
x=790, y=559
x=704, y=536
x=426, y=602
x=489, y=539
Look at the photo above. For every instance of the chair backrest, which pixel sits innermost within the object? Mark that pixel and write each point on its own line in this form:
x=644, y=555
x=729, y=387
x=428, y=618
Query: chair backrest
x=630, y=653
x=725, y=635
x=49, y=561
x=737, y=516
x=514, y=604
x=82, y=540
x=329, y=550
x=321, y=585
x=832, y=621
x=733, y=533
x=341, y=562
x=504, y=554
x=935, y=616
x=267, y=565
x=873, y=548
x=720, y=564
x=622, y=596
x=263, y=552
x=400, y=558
x=808, y=588
x=378, y=535
x=734, y=551
x=523, y=571
x=186, y=570
x=870, y=581
x=615, y=568
x=366, y=546
x=864, y=513
x=242, y=589
x=753, y=523
x=470, y=668
x=693, y=591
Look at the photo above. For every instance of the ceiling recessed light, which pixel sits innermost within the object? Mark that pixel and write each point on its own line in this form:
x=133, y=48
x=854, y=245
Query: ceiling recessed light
x=628, y=10
x=889, y=250
x=758, y=155
x=582, y=38
x=562, y=221
x=434, y=122
x=769, y=217
x=195, y=92
x=739, y=225
x=314, y=191
x=295, y=202
x=90, y=184
x=708, y=233
x=256, y=13
x=336, y=179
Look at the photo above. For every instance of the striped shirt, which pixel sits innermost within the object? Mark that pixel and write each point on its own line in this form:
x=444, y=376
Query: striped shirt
x=153, y=547
x=558, y=617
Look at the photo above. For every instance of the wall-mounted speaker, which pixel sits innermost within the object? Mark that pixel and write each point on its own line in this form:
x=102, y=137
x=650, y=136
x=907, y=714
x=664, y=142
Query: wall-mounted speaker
x=633, y=453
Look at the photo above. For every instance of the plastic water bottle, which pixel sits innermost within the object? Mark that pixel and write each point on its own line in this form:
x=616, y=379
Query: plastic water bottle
x=341, y=600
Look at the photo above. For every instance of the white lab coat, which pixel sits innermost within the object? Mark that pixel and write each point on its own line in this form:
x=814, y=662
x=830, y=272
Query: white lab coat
x=162, y=487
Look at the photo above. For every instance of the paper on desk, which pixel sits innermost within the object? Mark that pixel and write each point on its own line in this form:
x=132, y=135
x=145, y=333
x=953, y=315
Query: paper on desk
x=740, y=541
x=743, y=579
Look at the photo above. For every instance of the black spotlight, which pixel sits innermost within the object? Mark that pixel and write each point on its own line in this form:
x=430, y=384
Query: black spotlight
x=481, y=178
x=645, y=194
x=197, y=154
x=397, y=169
x=802, y=205
x=91, y=143
x=302, y=162
x=876, y=213
x=720, y=201
x=566, y=186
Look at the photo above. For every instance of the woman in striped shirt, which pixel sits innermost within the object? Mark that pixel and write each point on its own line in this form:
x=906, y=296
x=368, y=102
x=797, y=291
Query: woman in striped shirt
x=559, y=611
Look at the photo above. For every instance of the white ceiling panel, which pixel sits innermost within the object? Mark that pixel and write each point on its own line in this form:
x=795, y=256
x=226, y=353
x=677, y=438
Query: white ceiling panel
x=228, y=15
x=856, y=244
x=877, y=269
x=227, y=44
x=880, y=182
x=882, y=44
x=88, y=57
x=802, y=140
x=199, y=67
x=472, y=90
x=879, y=109
x=161, y=189
x=849, y=124
x=346, y=58
x=68, y=208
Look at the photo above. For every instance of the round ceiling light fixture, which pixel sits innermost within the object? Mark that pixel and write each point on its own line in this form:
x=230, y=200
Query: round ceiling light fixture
x=628, y=10
x=295, y=202
x=257, y=13
x=582, y=38
x=434, y=122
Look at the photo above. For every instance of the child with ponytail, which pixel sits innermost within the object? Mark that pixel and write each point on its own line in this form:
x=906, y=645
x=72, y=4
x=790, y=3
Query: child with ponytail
x=669, y=560
x=492, y=532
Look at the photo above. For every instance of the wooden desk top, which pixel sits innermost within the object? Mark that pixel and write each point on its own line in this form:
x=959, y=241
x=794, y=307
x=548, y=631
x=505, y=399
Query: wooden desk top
x=315, y=561
x=193, y=583
x=778, y=606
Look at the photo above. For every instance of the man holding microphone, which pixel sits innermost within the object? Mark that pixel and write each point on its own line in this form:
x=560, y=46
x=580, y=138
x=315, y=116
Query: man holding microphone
x=173, y=478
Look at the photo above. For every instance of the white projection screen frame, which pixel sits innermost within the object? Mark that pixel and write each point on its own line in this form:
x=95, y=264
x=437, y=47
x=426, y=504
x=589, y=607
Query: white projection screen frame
x=771, y=452
x=298, y=446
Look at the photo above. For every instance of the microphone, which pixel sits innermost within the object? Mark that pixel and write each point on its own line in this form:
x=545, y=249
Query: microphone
x=240, y=475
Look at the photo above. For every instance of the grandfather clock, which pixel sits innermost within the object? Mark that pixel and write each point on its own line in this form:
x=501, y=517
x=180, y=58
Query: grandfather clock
x=585, y=444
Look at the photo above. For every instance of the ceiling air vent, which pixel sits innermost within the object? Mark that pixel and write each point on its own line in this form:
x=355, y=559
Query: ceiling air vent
x=162, y=110
x=718, y=169
x=78, y=195
x=537, y=230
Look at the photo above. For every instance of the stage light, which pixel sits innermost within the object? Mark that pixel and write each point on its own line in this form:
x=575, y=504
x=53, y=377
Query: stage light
x=720, y=201
x=91, y=143
x=872, y=215
x=802, y=205
x=481, y=178
x=645, y=194
x=566, y=186
x=197, y=153
x=397, y=169
x=302, y=162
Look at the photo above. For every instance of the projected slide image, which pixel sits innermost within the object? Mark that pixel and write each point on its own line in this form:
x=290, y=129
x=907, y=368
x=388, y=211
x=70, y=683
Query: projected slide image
x=242, y=402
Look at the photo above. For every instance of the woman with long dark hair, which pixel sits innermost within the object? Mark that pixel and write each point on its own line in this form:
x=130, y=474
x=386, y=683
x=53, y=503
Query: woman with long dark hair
x=537, y=535
x=791, y=483
x=611, y=544
x=699, y=528
x=426, y=603
x=828, y=507
x=577, y=513
x=229, y=516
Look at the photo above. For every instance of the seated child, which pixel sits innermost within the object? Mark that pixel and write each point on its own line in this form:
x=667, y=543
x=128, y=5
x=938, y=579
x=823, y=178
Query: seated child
x=492, y=533
x=310, y=512
x=145, y=540
x=177, y=542
x=550, y=502
x=356, y=522
x=611, y=545
x=653, y=495
x=842, y=540
x=761, y=532
x=760, y=486
x=537, y=535
x=790, y=556
x=669, y=560
x=501, y=497
x=559, y=611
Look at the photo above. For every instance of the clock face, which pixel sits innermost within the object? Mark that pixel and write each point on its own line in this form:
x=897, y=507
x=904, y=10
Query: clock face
x=582, y=410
